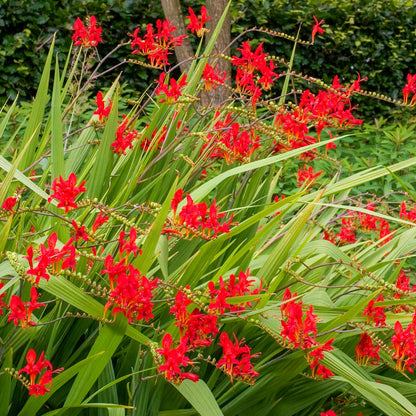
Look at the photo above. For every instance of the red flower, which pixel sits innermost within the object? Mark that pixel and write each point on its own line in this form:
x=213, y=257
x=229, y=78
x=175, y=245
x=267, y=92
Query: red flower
x=229, y=289
x=175, y=358
x=34, y=369
x=124, y=137
x=307, y=175
x=212, y=77
x=102, y=111
x=21, y=312
x=79, y=232
x=347, y=232
x=410, y=87
x=89, y=36
x=197, y=25
x=51, y=256
x=172, y=90
x=152, y=144
x=375, y=313
x=177, y=198
x=197, y=215
x=231, y=141
x=366, y=351
x=316, y=28
x=66, y=191
x=9, y=203
x=329, y=413
x=254, y=71
x=156, y=45
x=236, y=359
x=133, y=293
x=100, y=220
x=404, y=347
x=129, y=246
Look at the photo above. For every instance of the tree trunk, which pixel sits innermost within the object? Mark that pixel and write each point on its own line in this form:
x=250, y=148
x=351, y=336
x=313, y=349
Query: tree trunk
x=184, y=53
x=173, y=12
x=215, y=9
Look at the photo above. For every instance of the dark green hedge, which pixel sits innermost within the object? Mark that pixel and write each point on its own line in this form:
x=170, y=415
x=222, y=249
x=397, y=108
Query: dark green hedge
x=374, y=37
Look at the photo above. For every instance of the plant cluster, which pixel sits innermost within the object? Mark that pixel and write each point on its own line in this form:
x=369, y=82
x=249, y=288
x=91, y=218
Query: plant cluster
x=165, y=253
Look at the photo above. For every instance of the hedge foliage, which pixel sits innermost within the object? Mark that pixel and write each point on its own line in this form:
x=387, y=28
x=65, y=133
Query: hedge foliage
x=375, y=38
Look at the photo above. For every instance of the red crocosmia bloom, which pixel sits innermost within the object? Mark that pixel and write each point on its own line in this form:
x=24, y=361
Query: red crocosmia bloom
x=86, y=36
x=172, y=91
x=102, y=111
x=130, y=245
x=154, y=142
x=375, y=313
x=51, y=256
x=366, y=351
x=9, y=203
x=316, y=28
x=404, y=347
x=193, y=216
x=410, y=87
x=231, y=141
x=236, y=359
x=307, y=175
x=229, y=289
x=298, y=323
x=314, y=357
x=65, y=191
x=347, y=232
x=197, y=25
x=407, y=215
x=100, y=220
x=254, y=71
x=79, y=232
x=330, y=145
x=35, y=369
x=177, y=198
x=132, y=296
x=124, y=137
x=197, y=327
x=156, y=45
x=355, y=86
x=114, y=270
x=212, y=77
x=175, y=358
x=329, y=413
x=21, y=312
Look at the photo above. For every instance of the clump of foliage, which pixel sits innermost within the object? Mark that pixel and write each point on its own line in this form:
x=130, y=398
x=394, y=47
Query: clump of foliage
x=162, y=257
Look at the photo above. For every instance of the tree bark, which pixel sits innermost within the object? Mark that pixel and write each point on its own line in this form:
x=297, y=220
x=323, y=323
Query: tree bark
x=185, y=52
x=173, y=12
x=215, y=9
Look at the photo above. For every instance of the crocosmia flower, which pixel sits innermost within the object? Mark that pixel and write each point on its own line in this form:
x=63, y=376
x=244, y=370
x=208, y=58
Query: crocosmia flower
x=172, y=91
x=9, y=203
x=86, y=36
x=65, y=191
x=197, y=25
x=35, y=369
x=316, y=28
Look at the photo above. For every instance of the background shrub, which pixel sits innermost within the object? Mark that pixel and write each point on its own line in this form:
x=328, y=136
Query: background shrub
x=372, y=37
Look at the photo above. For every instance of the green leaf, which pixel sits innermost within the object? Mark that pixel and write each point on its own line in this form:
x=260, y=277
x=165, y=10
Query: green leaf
x=57, y=146
x=98, y=181
x=37, y=110
x=107, y=342
x=144, y=261
x=200, y=397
